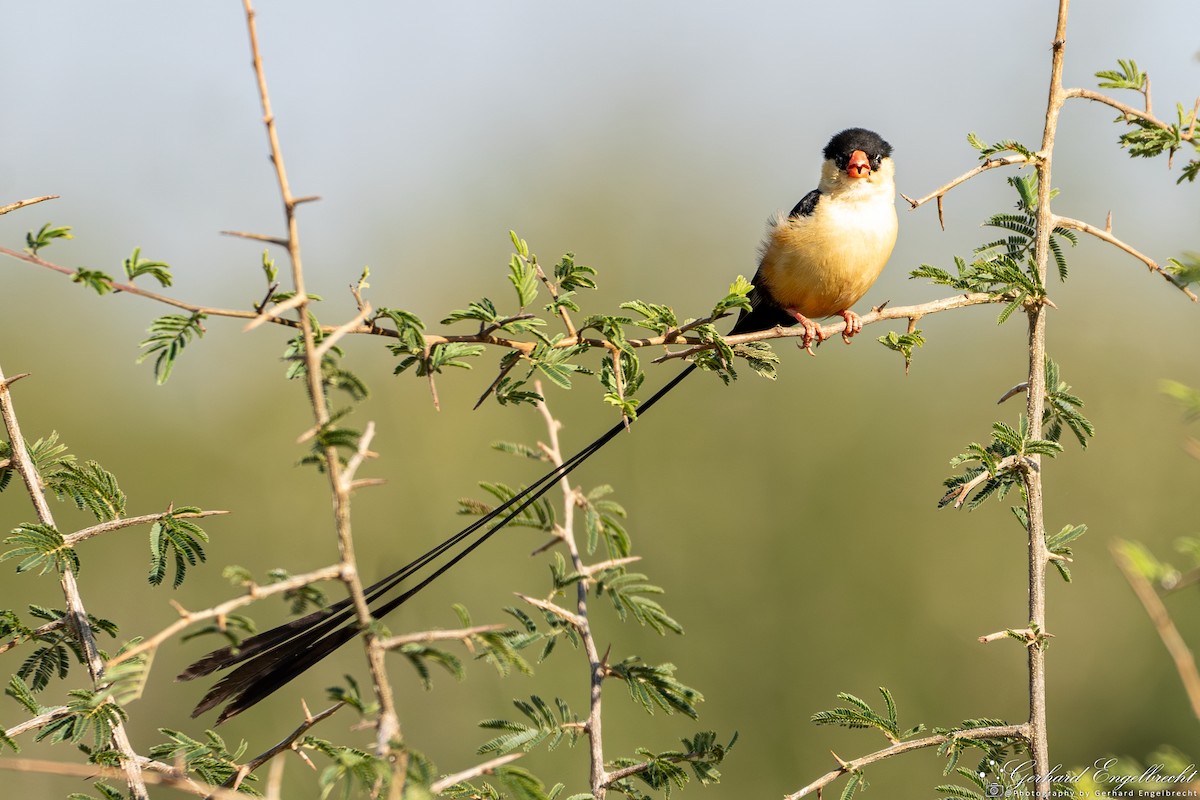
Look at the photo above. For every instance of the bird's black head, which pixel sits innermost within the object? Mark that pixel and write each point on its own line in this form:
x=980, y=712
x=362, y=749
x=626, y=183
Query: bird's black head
x=843, y=146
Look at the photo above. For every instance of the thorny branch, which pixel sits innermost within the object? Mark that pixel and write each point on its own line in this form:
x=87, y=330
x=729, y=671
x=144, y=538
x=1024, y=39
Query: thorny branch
x=388, y=725
x=597, y=667
x=846, y=767
x=76, y=616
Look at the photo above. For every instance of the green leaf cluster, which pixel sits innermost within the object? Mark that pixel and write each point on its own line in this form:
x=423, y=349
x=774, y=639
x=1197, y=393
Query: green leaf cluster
x=655, y=686
x=553, y=726
x=986, y=150
x=662, y=771
x=209, y=759
x=1147, y=139
x=181, y=538
x=169, y=334
x=46, y=235
x=136, y=266
x=1007, y=443
x=859, y=714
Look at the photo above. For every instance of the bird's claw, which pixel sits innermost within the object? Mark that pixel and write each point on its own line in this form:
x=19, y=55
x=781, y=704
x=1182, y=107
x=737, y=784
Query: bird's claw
x=853, y=325
x=812, y=331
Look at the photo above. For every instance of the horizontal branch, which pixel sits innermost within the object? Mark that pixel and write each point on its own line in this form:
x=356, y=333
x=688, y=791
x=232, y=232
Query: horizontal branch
x=676, y=336
x=912, y=313
x=72, y=539
x=992, y=732
x=1105, y=235
x=253, y=593
x=93, y=771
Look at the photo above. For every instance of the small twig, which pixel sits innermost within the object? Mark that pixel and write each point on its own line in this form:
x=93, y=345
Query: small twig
x=845, y=767
x=552, y=288
x=1106, y=236
x=277, y=310
x=486, y=768
x=961, y=491
x=258, y=237
x=937, y=193
x=591, y=569
x=22, y=203
x=423, y=637
x=286, y=743
x=72, y=539
x=1185, y=662
x=574, y=619
x=354, y=324
x=49, y=627
x=361, y=453
x=637, y=769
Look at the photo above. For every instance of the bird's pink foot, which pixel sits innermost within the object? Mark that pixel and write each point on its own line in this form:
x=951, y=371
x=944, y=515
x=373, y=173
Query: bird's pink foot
x=812, y=331
x=853, y=325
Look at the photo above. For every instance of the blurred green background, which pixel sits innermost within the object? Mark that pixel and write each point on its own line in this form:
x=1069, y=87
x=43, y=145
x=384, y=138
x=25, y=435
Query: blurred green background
x=793, y=523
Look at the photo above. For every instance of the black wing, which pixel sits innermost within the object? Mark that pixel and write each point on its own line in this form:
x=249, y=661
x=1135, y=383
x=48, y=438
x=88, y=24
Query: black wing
x=807, y=204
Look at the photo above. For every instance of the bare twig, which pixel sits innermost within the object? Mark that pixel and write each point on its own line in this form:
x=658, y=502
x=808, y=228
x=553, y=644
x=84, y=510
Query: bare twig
x=22, y=203
x=1105, y=235
x=1185, y=662
x=937, y=193
x=424, y=637
x=486, y=768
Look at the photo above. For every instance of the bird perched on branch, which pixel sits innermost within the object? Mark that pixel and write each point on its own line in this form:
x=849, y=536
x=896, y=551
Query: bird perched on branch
x=816, y=262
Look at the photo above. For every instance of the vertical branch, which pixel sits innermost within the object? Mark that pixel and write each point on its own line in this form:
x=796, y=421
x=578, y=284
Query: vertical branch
x=76, y=616
x=1035, y=407
x=596, y=663
x=388, y=729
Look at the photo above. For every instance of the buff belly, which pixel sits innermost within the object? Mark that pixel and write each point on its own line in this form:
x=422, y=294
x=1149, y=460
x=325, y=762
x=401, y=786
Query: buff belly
x=821, y=265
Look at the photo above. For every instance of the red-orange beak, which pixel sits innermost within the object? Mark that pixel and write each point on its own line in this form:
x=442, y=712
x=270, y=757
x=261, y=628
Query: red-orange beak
x=859, y=166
